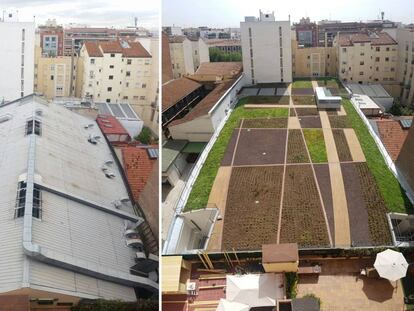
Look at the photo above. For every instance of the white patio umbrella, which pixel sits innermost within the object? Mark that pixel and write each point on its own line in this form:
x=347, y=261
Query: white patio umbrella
x=391, y=265
x=226, y=305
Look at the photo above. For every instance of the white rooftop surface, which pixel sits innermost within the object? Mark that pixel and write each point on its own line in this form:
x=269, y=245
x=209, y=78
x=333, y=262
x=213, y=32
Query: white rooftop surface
x=321, y=94
x=68, y=166
x=372, y=90
x=365, y=102
x=255, y=290
x=267, y=91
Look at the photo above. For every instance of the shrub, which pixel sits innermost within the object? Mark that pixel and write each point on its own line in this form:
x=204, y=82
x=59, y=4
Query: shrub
x=145, y=136
x=291, y=285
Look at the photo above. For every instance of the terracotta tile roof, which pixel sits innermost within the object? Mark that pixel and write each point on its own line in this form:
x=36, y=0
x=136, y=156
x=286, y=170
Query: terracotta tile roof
x=220, y=68
x=380, y=38
x=205, y=105
x=136, y=50
x=93, y=49
x=392, y=136
x=130, y=49
x=138, y=168
x=177, y=89
x=110, y=125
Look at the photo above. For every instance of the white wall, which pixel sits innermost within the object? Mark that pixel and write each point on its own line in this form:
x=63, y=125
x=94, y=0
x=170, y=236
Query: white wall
x=266, y=51
x=11, y=59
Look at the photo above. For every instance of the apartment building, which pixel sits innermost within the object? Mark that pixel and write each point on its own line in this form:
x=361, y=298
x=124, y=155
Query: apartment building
x=75, y=37
x=306, y=32
x=16, y=59
x=69, y=227
x=367, y=57
x=266, y=49
x=313, y=61
x=51, y=38
x=329, y=29
x=187, y=54
x=405, y=39
x=54, y=76
x=115, y=71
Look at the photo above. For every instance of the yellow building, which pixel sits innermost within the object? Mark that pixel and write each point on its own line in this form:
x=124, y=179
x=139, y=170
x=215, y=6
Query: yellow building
x=52, y=75
x=313, y=61
x=367, y=57
x=175, y=274
x=115, y=71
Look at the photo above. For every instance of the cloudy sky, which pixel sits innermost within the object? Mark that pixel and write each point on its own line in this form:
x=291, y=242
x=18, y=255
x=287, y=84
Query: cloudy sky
x=216, y=13
x=118, y=13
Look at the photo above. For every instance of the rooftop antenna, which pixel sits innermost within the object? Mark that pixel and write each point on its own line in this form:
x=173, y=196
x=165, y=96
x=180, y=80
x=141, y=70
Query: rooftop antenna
x=382, y=15
x=136, y=22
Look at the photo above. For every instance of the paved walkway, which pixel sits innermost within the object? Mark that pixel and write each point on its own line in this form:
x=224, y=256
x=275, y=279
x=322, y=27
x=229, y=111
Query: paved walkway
x=340, y=207
x=218, y=197
x=293, y=123
x=354, y=146
x=341, y=289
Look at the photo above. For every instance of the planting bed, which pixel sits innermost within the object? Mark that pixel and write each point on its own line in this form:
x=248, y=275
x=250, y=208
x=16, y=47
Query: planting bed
x=341, y=144
x=376, y=208
x=324, y=182
x=302, y=216
x=307, y=112
x=296, y=152
x=271, y=100
x=339, y=122
x=302, y=91
x=252, y=211
x=262, y=146
x=265, y=123
x=303, y=100
x=331, y=112
x=302, y=84
x=310, y=122
x=316, y=145
x=228, y=155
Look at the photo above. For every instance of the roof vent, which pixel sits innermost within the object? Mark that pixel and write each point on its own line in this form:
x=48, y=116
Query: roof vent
x=109, y=162
x=5, y=118
x=117, y=204
x=39, y=112
x=88, y=126
x=92, y=140
x=108, y=125
x=110, y=175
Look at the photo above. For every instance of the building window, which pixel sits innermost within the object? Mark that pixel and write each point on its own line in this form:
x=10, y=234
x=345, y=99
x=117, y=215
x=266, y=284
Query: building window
x=126, y=84
x=109, y=89
x=392, y=69
x=92, y=61
x=250, y=32
x=125, y=97
x=128, y=73
x=108, y=100
x=378, y=49
x=144, y=85
x=387, y=59
x=361, y=63
x=129, y=61
x=361, y=73
x=111, y=77
x=387, y=49
x=142, y=97
x=21, y=200
x=112, y=55
x=377, y=59
x=111, y=66
x=52, y=77
x=344, y=50
x=33, y=126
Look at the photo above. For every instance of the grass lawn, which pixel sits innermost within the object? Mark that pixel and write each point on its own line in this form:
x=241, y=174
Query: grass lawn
x=328, y=82
x=202, y=187
x=304, y=100
x=303, y=84
x=316, y=145
x=393, y=194
x=277, y=100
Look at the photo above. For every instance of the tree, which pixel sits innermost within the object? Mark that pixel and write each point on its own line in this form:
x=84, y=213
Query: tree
x=217, y=55
x=145, y=136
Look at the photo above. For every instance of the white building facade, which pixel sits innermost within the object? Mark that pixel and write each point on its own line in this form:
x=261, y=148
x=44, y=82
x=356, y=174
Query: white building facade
x=17, y=49
x=266, y=49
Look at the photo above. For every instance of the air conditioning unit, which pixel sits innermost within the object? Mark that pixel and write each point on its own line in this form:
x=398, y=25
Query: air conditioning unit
x=191, y=286
x=110, y=175
x=117, y=204
x=137, y=242
x=140, y=256
x=109, y=162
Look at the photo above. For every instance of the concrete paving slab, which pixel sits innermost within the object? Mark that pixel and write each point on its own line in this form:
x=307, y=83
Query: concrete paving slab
x=266, y=91
x=354, y=146
x=218, y=197
x=293, y=123
x=282, y=91
x=249, y=91
x=340, y=208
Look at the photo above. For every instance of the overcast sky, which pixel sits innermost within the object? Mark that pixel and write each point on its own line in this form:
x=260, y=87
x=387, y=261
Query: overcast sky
x=229, y=13
x=117, y=13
